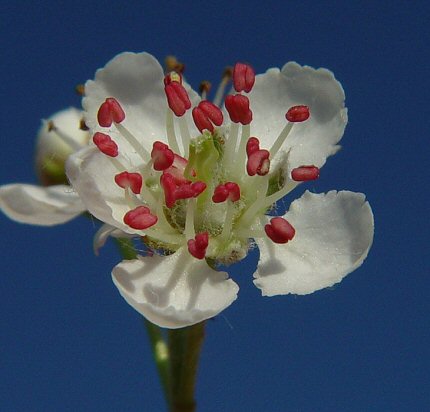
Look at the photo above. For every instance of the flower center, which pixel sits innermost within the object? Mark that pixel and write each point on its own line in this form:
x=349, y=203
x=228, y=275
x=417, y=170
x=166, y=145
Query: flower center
x=208, y=192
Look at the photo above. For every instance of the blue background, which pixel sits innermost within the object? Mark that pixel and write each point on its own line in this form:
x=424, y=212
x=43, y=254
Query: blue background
x=68, y=342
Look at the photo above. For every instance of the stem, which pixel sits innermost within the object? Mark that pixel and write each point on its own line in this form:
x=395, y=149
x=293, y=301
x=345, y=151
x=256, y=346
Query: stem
x=160, y=351
x=184, y=345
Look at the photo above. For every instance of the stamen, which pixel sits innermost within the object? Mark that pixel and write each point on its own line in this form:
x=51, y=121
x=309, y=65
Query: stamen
x=258, y=163
x=162, y=156
x=228, y=222
x=279, y=230
x=229, y=190
x=238, y=108
x=281, y=139
x=167, y=182
x=130, y=199
x=241, y=151
x=110, y=111
x=177, y=96
x=205, y=115
x=305, y=173
x=172, y=64
x=134, y=143
x=80, y=89
x=174, y=190
x=140, y=218
x=105, y=144
x=185, y=135
x=204, y=89
x=170, y=131
x=243, y=77
x=189, y=219
x=295, y=114
x=228, y=72
x=197, y=246
x=129, y=180
x=252, y=145
x=298, y=114
x=230, y=146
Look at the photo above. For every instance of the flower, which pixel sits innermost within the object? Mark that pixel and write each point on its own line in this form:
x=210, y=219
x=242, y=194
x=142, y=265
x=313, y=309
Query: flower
x=58, y=137
x=195, y=183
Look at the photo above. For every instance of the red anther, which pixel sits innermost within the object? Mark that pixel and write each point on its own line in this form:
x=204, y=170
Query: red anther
x=258, y=163
x=279, y=230
x=252, y=145
x=229, y=190
x=177, y=170
x=140, y=218
x=197, y=246
x=198, y=187
x=110, y=111
x=206, y=114
x=238, y=108
x=177, y=96
x=131, y=180
x=298, y=114
x=162, y=156
x=105, y=144
x=305, y=173
x=168, y=183
x=174, y=190
x=243, y=77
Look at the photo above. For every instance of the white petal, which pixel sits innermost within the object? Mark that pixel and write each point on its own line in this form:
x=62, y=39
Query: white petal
x=136, y=81
x=174, y=291
x=103, y=234
x=334, y=232
x=103, y=198
x=43, y=206
x=312, y=141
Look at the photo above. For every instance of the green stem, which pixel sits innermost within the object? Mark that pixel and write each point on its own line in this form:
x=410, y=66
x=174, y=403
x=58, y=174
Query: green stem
x=160, y=351
x=184, y=346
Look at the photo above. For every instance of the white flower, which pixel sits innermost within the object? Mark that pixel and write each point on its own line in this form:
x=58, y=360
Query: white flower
x=196, y=184
x=57, y=139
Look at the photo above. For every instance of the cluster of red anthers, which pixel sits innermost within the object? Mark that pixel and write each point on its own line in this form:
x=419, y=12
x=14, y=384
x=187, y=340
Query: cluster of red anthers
x=206, y=116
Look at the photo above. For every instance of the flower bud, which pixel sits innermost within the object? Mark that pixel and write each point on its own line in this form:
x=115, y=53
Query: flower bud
x=58, y=137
